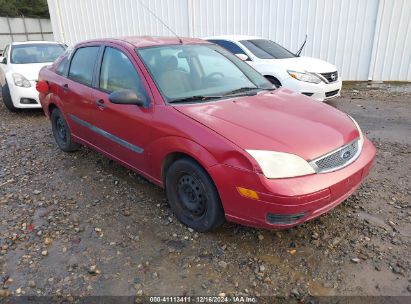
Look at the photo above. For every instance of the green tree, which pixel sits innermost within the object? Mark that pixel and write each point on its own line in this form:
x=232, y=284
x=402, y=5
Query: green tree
x=28, y=8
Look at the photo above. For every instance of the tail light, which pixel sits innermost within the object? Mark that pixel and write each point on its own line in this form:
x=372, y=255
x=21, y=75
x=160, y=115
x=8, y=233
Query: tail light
x=42, y=86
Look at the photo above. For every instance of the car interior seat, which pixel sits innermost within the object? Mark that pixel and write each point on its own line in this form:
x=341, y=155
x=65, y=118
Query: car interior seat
x=173, y=80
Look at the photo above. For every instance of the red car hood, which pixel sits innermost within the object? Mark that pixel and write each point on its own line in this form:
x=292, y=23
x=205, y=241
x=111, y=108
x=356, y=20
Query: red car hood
x=281, y=121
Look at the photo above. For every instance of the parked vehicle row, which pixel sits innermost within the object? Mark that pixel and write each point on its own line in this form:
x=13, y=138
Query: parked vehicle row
x=203, y=124
x=21, y=62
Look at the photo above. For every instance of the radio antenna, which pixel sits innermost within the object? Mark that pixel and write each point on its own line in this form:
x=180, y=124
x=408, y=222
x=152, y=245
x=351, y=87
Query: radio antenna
x=161, y=21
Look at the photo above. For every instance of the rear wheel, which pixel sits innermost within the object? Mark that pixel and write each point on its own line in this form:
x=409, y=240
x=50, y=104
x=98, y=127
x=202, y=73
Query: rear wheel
x=274, y=81
x=8, y=102
x=193, y=196
x=61, y=132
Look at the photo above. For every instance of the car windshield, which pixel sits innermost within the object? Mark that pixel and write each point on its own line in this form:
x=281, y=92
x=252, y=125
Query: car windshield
x=267, y=49
x=35, y=53
x=200, y=72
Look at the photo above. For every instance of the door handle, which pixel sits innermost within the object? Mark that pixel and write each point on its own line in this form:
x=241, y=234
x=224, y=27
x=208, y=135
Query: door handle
x=100, y=103
x=65, y=87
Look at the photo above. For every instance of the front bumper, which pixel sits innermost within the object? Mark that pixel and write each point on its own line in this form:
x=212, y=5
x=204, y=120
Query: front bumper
x=25, y=98
x=321, y=91
x=297, y=199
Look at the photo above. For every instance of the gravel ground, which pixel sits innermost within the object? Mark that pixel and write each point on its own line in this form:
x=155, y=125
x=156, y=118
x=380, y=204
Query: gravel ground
x=79, y=224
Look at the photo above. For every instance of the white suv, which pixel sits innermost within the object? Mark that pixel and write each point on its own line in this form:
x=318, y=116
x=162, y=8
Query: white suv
x=309, y=76
x=19, y=70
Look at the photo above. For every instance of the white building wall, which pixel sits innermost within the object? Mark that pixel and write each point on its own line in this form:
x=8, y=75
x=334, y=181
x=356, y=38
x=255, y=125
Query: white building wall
x=391, y=57
x=366, y=39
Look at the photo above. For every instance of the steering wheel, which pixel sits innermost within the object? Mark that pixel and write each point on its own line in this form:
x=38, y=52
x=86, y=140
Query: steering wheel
x=221, y=75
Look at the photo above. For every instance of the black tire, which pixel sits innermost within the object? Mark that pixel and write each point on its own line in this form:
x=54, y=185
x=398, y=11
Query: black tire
x=193, y=196
x=274, y=81
x=5, y=94
x=61, y=132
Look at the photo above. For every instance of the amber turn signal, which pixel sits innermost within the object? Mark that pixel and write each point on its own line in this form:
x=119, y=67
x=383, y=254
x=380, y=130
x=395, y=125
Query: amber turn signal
x=248, y=193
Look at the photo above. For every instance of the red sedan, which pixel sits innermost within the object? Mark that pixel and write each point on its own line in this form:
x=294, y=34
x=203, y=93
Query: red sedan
x=196, y=120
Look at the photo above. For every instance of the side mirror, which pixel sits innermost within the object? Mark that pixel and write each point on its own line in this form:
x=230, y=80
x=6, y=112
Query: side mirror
x=127, y=97
x=243, y=57
x=3, y=60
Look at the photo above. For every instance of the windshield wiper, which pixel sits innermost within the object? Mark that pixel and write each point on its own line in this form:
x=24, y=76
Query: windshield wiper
x=195, y=98
x=208, y=97
x=240, y=90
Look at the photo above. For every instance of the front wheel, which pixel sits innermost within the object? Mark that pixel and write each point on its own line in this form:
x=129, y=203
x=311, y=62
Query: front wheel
x=193, y=196
x=61, y=132
x=8, y=102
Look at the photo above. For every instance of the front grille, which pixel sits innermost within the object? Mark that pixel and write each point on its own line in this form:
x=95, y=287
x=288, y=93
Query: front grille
x=331, y=93
x=331, y=77
x=338, y=158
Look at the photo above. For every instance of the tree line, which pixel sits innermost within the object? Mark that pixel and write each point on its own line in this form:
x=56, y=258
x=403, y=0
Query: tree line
x=27, y=8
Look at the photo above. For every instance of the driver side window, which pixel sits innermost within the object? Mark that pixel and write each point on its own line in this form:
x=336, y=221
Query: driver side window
x=117, y=72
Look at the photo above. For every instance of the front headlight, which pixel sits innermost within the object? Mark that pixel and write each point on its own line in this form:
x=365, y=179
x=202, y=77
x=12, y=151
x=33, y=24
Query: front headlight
x=281, y=165
x=21, y=81
x=358, y=128
x=306, y=77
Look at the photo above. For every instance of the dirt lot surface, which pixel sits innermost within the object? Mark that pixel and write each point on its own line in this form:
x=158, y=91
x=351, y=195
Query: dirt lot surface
x=80, y=224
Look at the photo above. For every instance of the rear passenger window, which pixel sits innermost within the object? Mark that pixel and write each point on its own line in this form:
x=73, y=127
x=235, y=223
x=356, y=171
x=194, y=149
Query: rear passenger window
x=117, y=72
x=82, y=64
x=63, y=67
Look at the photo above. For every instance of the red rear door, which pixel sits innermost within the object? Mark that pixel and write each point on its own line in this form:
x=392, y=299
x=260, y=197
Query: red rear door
x=76, y=91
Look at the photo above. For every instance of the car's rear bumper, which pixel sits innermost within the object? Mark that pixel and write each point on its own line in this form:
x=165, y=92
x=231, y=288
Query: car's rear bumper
x=321, y=91
x=288, y=202
x=25, y=98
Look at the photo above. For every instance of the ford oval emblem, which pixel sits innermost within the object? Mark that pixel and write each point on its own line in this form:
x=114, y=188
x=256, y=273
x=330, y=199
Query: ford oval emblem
x=345, y=155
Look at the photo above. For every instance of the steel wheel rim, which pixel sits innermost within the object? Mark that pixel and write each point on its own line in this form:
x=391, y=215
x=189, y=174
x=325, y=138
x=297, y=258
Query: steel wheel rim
x=61, y=130
x=191, y=196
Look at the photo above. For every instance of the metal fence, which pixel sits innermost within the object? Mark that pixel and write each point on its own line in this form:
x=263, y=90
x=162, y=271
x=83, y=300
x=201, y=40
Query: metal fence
x=23, y=29
x=366, y=39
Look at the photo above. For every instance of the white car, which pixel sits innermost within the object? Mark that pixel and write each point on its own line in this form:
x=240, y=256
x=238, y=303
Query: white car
x=309, y=76
x=19, y=70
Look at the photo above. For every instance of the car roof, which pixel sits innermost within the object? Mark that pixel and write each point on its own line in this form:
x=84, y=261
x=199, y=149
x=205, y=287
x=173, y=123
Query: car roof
x=232, y=37
x=147, y=41
x=34, y=42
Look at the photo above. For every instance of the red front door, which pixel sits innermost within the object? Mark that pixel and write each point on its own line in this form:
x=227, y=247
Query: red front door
x=123, y=131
